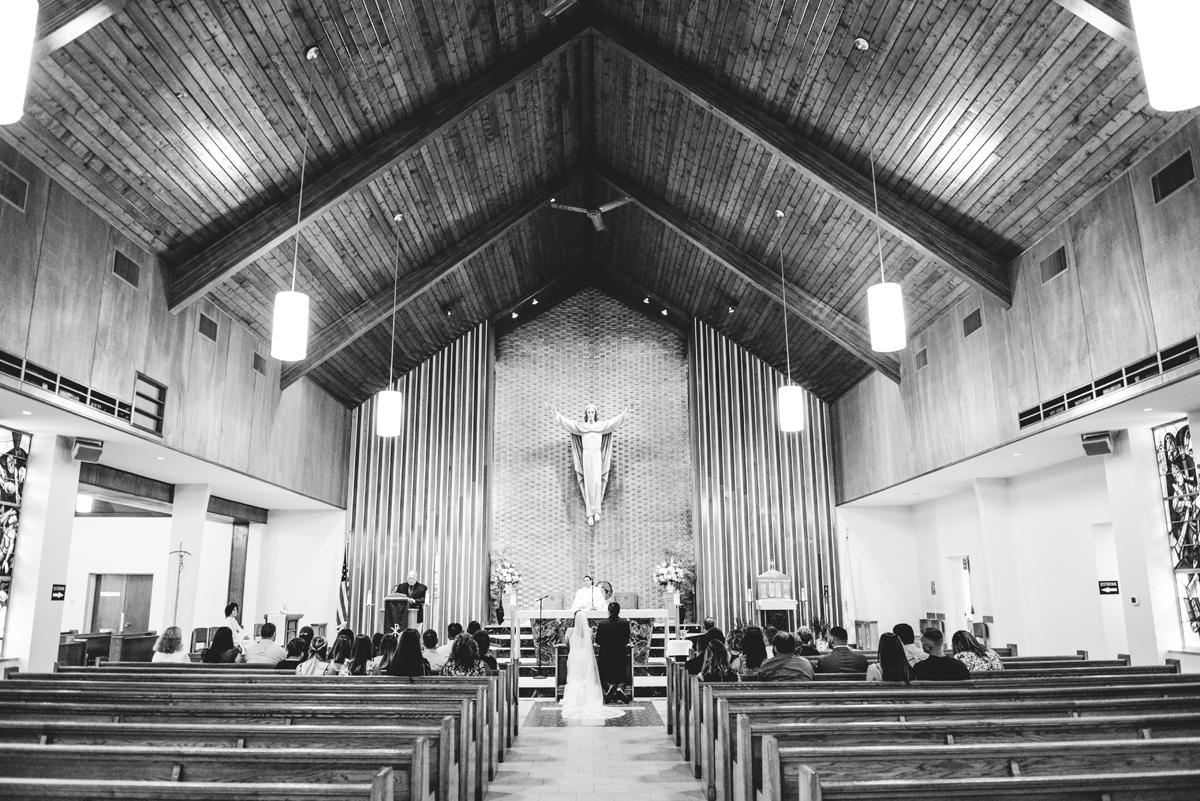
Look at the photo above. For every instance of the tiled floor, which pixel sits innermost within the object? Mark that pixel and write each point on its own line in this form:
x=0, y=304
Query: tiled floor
x=594, y=763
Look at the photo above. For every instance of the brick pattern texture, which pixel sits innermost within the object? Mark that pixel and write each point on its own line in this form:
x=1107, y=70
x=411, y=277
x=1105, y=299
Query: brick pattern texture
x=591, y=349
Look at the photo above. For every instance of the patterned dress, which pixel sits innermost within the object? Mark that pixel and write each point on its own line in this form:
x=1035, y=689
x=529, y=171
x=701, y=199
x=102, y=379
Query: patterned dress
x=974, y=661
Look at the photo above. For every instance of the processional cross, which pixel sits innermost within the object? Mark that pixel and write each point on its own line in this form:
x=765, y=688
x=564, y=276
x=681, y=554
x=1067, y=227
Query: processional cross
x=178, y=576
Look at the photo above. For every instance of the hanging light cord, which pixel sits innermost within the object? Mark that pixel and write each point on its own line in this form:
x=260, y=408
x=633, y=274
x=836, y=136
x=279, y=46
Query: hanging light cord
x=303, y=164
x=395, y=273
x=787, y=341
x=878, y=236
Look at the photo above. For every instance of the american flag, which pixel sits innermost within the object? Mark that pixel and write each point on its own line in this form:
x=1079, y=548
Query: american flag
x=343, y=612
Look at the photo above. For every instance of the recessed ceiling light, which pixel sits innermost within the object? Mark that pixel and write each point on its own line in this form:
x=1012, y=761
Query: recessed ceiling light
x=1017, y=454
x=83, y=504
x=1147, y=409
x=535, y=301
x=160, y=458
x=27, y=413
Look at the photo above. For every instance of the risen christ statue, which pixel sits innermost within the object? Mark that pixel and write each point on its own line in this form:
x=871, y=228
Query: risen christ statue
x=591, y=450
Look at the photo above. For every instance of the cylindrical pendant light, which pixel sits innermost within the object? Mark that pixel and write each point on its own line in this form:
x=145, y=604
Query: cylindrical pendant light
x=1166, y=34
x=389, y=403
x=389, y=412
x=289, y=326
x=16, y=52
x=885, y=313
x=790, y=398
x=289, y=331
x=885, y=301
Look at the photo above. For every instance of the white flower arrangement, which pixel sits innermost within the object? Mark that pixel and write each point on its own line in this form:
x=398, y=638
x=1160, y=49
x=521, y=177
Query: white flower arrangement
x=671, y=574
x=506, y=575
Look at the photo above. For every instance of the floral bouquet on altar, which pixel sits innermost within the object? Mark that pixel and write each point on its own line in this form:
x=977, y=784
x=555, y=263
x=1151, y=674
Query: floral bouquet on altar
x=671, y=574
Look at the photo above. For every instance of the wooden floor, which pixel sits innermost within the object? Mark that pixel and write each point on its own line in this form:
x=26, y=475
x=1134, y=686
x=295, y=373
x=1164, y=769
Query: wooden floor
x=596, y=763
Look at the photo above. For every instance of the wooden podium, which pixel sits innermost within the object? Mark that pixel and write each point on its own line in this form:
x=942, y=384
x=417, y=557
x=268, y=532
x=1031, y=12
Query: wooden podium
x=397, y=612
x=287, y=625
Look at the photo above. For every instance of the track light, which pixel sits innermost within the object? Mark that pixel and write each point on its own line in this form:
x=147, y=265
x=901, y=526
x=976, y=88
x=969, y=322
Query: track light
x=646, y=299
x=535, y=301
x=664, y=312
x=515, y=315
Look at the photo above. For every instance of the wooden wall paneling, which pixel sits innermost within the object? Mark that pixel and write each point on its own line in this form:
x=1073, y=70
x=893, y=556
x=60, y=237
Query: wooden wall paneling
x=124, y=322
x=1112, y=280
x=321, y=468
x=973, y=376
x=262, y=417
x=237, y=407
x=21, y=233
x=168, y=352
x=916, y=394
x=1060, y=345
x=1014, y=372
x=69, y=282
x=1170, y=239
x=873, y=446
x=202, y=409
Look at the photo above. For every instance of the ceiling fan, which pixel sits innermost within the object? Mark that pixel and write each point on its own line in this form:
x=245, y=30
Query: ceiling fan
x=595, y=215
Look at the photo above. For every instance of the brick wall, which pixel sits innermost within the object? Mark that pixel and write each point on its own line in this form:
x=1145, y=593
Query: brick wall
x=591, y=349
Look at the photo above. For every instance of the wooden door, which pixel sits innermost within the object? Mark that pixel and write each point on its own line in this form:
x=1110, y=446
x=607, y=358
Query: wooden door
x=137, y=603
x=120, y=603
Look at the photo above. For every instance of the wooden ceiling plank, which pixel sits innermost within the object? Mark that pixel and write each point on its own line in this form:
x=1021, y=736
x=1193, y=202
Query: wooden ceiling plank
x=919, y=230
x=70, y=20
x=847, y=333
x=1110, y=17
x=352, y=325
x=276, y=223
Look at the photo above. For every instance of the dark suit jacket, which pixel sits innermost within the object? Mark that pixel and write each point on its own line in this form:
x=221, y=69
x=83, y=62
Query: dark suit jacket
x=612, y=637
x=842, y=660
x=416, y=594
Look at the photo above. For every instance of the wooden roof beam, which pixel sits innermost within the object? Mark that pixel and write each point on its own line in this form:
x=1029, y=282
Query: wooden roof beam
x=334, y=338
x=67, y=20
x=928, y=236
x=1110, y=17
x=276, y=223
x=816, y=312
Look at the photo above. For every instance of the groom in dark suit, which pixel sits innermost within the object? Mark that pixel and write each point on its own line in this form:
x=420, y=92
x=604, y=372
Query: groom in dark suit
x=612, y=639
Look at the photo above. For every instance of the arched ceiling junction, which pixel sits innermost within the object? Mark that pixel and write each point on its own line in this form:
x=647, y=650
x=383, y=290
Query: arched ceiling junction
x=182, y=123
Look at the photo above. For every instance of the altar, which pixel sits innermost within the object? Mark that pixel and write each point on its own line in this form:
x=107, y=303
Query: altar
x=549, y=627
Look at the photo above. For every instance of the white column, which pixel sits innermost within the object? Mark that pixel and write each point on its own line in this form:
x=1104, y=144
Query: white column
x=188, y=512
x=43, y=549
x=1144, y=555
x=1002, y=563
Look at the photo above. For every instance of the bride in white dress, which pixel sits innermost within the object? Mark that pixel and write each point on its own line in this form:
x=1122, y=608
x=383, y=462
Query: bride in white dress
x=583, y=698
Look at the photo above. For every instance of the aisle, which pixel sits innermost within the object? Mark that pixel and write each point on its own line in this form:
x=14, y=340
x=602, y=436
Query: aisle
x=594, y=763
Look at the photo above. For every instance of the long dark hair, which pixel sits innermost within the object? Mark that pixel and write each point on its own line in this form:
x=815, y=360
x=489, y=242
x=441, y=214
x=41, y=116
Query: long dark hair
x=362, y=655
x=387, y=651
x=376, y=643
x=716, y=659
x=893, y=661
x=342, y=646
x=464, y=652
x=964, y=641
x=222, y=641
x=408, y=660
x=754, y=648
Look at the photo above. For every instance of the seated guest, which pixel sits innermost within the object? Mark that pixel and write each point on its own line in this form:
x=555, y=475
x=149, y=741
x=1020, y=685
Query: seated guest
x=938, y=667
x=387, y=652
x=409, y=660
x=808, y=645
x=318, y=659
x=915, y=652
x=169, y=647
x=754, y=651
x=464, y=658
x=376, y=644
x=716, y=664
x=893, y=662
x=433, y=654
x=974, y=654
x=769, y=635
x=360, y=657
x=483, y=641
x=786, y=665
x=473, y=627
x=840, y=658
x=297, y=652
x=452, y=632
x=221, y=649
x=306, y=633
x=266, y=651
x=343, y=648
x=711, y=634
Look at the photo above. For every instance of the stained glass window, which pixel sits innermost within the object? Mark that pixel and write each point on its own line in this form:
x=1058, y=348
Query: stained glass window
x=1181, y=505
x=14, y=456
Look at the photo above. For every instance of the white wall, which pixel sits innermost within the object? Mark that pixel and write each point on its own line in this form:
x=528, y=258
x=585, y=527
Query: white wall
x=879, y=566
x=299, y=562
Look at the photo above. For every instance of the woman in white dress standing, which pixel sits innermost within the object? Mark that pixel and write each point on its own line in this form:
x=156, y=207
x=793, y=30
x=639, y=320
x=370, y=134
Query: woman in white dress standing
x=583, y=698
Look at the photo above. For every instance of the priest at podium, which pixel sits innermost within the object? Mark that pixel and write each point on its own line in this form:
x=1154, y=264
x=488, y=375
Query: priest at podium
x=589, y=597
x=415, y=591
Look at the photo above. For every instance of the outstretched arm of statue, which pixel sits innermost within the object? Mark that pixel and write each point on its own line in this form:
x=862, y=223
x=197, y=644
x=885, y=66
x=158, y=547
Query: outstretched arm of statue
x=564, y=421
x=608, y=426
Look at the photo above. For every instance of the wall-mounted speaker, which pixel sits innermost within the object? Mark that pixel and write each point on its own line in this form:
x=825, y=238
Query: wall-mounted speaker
x=1098, y=443
x=87, y=450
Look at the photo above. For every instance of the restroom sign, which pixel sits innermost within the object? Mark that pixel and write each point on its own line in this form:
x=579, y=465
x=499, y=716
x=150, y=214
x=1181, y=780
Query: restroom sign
x=58, y=592
x=1109, y=588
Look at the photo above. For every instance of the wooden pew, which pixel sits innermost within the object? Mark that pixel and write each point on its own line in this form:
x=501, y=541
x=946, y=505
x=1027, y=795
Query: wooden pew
x=747, y=762
x=826, y=774
x=472, y=781
x=380, y=789
x=442, y=741
x=410, y=764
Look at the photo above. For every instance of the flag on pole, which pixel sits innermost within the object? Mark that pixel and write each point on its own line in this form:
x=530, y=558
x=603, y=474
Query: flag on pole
x=343, y=612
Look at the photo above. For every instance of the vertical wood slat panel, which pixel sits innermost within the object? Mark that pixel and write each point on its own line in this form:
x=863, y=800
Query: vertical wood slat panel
x=418, y=501
x=761, y=496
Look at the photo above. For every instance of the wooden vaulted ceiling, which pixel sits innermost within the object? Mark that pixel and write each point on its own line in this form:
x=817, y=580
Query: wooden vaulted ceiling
x=181, y=122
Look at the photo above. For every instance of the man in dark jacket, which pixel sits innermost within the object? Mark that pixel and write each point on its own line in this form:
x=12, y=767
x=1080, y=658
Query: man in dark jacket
x=840, y=658
x=415, y=591
x=612, y=638
x=786, y=665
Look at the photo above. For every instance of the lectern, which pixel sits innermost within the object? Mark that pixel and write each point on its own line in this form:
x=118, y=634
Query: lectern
x=287, y=625
x=398, y=612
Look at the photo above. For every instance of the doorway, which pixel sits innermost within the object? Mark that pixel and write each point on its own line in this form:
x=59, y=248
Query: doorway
x=119, y=602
